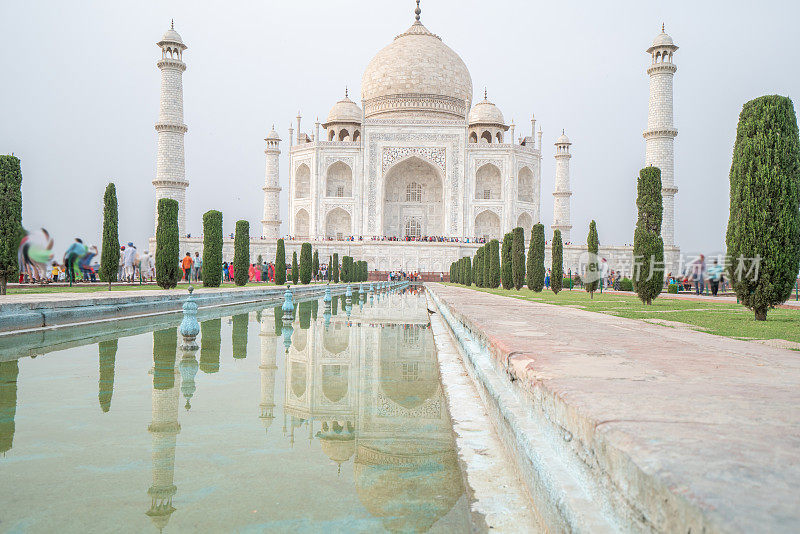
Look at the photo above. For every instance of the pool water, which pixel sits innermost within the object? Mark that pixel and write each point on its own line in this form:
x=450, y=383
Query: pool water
x=332, y=421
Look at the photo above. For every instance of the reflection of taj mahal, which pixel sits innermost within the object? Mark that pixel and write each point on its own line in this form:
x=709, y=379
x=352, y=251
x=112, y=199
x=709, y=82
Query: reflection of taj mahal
x=367, y=387
x=414, y=159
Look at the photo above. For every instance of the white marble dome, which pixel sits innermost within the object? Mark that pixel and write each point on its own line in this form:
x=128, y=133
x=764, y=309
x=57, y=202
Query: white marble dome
x=345, y=110
x=563, y=139
x=416, y=74
x=171, y=36
x=662, y=40
x=273, y=135
x=485, y=112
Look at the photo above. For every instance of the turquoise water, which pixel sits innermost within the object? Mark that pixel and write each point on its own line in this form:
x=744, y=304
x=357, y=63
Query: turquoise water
x=330, y=422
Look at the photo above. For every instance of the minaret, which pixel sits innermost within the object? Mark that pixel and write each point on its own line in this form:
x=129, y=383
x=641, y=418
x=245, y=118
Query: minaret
x=164, y=426
x=561, y=215
x=170, y=179
x=271, y=223
x=267, y=367
x=661, y=132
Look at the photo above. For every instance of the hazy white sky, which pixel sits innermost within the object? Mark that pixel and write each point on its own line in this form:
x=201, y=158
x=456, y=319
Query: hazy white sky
x=80, y=95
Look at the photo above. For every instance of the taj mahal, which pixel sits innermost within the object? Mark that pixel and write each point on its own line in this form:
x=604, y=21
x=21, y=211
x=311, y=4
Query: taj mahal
x=414, y=176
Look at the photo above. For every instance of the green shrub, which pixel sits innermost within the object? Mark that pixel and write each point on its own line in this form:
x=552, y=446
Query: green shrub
x=109, y=256
x=557, y=266
x=626, y=284
x=167, y=243
x=335, y=268
x=11, y=231
x=506, y=269
x=241, y=253
x=648, y=246
x=306, y=263
x=518, y=257
x=672, y=288
x=593, y=268
x=764, y=220
x=494, y=263
x=280, y=264
x=212, y=248
x=295, y=268
x=535, y=270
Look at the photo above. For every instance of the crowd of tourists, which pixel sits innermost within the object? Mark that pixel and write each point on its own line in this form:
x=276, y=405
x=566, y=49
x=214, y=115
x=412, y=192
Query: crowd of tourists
x=407, y=238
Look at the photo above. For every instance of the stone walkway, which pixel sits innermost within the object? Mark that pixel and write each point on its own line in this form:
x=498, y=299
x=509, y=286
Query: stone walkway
x=689, y=429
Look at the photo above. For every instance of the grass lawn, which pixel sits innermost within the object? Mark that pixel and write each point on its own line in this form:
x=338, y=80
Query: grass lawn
x=721, y=318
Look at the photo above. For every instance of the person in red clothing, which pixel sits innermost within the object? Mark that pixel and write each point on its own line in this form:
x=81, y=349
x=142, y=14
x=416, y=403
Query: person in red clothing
x=186, y=265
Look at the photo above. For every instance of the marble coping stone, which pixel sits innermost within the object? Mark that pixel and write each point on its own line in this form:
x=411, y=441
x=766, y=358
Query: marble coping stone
x=25, y=312
x=685, y=431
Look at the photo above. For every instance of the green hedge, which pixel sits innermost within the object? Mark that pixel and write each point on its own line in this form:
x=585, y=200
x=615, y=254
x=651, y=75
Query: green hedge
x=306, y=263
x=280, y=264
x=212, y=248
x=672, y=288
x=626, y=284
x=241, y=253
x=109, y=256
x=11, y=231
x=167, y=252
x=506, y=269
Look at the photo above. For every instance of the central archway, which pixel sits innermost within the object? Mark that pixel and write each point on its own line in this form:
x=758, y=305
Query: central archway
x=337, y=224
x=413, y=200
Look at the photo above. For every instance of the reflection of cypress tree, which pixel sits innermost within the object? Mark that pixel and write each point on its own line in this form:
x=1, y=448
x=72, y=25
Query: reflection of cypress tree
x=108, y=357
x=314, y=308
x=239, y=336
x=305, y=315
x=8, y=403
x=258, y=316
x=344, y=303
x=335, y=305
x=278, y=312
x=210, y=343
x=165, y=347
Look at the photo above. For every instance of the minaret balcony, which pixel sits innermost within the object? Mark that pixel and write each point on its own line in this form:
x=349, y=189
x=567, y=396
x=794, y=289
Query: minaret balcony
x=660, y=132
x=168, y=127
x=172, y=63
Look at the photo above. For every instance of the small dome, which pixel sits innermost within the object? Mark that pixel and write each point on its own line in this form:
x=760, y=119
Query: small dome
x=485, y=112
x=344, y=110
x=171, y=36
x=662, y=40
x=563, y=140
x=272, y=135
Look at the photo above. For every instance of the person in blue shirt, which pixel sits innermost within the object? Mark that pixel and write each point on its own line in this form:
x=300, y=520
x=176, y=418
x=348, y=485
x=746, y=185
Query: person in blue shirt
x=75, y=251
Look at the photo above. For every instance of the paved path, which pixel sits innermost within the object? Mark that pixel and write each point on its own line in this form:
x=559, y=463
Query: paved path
x=691, y=428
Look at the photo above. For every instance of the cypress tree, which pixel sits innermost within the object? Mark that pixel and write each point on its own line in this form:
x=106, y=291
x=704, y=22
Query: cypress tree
x=109, y=257
x=474, y=266
x=10, y=219
x=241, y=253
x=306, y=263
x=167, y=252
x=764, y=220
x=329, y=272
x=335, y=268
x=648, y=246
x=487, y=265
x=452, y=273
x=212, y=248
x=479, y=267
x=239, y=333
x=315, y=264
x=108, y=357
x=506, y=269
x=535, y=278
x=518, y=257
x=468, y=269
x=259, y=261
x=557, y=267
x=494, y=263
x=295, y=268
x=593, y=268
x=280, y=264
x=210, y=343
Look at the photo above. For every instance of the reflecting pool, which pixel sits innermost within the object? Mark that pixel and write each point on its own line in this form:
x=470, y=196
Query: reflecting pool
x=331, y=419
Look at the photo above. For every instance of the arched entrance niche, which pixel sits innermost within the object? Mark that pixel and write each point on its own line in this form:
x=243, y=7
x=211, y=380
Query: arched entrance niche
x=413, y=199
x=338, y=224
x=301, y=223
x=487, y=225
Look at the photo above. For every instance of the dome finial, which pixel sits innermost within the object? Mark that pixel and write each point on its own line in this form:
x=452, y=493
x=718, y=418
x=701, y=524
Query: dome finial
x=417, y=11
x=662, y=28
x=171, y=24
x=345, y=92
x=485, y=94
